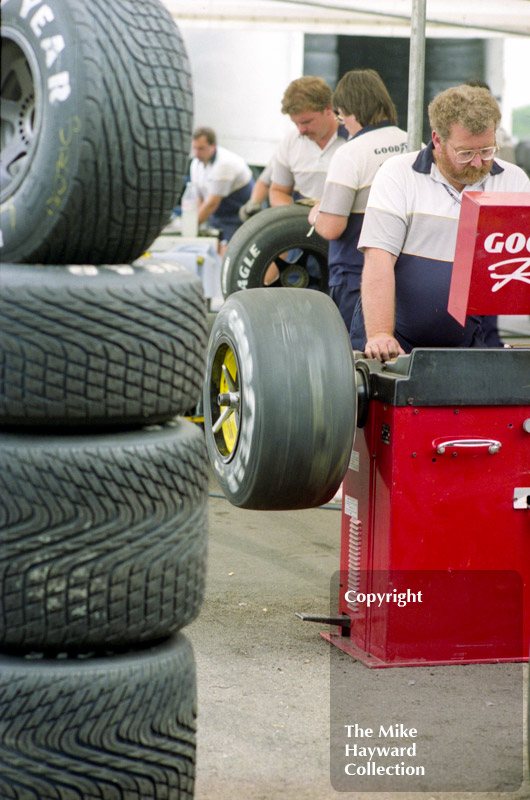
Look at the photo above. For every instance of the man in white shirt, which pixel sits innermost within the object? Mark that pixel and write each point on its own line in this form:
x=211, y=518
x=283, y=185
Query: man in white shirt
x=223, y=179
x=302, y=158
x=410, y=225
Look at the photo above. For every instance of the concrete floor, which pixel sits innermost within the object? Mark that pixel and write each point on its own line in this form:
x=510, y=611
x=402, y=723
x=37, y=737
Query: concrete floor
x=266, y=716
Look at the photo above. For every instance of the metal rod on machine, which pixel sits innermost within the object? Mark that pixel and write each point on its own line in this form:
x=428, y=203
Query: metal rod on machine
x=416, y=74
x=343, y=620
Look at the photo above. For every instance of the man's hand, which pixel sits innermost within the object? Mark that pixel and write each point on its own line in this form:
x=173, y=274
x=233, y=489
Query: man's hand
x=248, y=209
x=383, y=346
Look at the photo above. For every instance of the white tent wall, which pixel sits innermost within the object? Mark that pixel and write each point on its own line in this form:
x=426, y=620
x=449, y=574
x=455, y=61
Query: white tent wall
x=243, y=54
x=239, y=77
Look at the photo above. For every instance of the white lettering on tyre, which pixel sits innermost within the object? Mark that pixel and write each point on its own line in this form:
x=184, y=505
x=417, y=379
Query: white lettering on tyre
x=40, y=18
x=248, y=263
x=120, y=269
x=160, y=267
x=83, y=269
x=126, y=269
x=27, y=5
x=59, y=88
x=224, y=275
x=240, y=463
x=52, y=46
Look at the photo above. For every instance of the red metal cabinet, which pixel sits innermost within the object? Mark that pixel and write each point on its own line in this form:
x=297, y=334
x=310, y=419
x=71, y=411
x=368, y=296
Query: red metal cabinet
x=436, y=501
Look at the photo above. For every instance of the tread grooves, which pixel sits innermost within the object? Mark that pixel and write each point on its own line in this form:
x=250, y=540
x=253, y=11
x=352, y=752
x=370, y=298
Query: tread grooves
x=110, y=348
x=103, y=541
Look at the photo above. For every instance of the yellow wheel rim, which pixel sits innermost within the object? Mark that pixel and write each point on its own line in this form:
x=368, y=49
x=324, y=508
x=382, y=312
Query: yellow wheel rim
x=226, y=425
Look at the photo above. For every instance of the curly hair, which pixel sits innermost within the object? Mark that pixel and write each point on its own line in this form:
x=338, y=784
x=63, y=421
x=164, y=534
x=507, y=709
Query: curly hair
x=362, y=92
x=309, y=93
x=472, y=107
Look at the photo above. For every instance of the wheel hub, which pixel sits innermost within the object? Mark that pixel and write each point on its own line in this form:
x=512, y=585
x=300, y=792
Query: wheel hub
x=226, y=406
x=295, y=277
x=18, y=122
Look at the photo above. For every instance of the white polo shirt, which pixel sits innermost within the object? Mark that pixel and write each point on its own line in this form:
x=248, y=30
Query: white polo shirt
x=223, y=175
x=301, y=164
x=350, y=175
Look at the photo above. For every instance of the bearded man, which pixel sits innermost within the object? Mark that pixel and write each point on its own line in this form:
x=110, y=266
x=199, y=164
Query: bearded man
x=410, y=225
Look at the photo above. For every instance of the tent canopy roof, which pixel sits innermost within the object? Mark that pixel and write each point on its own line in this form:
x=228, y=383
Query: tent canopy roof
x=358, y=17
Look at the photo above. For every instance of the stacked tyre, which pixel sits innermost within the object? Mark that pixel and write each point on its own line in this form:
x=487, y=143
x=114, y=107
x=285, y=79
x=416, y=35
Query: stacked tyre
x=103, y=482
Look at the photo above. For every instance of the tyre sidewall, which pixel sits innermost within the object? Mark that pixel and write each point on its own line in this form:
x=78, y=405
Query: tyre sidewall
x=60, y=90
x=143, y=275
x=110, y=664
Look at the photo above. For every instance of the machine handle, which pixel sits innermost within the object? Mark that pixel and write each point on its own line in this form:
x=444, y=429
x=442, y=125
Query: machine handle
x=493, y=445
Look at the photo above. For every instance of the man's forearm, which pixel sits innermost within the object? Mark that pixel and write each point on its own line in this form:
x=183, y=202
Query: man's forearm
x=330, y=226
x=207, y=208
x=280, y=195
x=378, y=292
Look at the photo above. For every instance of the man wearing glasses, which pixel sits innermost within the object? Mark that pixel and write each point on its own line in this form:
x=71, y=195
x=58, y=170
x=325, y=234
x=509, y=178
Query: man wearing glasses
x=409, y=230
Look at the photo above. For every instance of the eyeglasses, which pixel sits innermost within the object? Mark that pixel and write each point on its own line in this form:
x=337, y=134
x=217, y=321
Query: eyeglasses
x=338, y=116
x=465, y=156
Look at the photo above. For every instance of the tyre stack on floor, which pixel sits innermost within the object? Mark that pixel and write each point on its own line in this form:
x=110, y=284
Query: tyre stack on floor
x=103, y=486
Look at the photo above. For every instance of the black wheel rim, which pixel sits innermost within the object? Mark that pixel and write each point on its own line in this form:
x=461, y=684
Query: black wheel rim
x=19, y=120
x=299, y=268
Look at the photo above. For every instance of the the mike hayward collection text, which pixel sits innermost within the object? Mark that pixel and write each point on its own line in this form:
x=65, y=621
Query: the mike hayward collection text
x=369, y=751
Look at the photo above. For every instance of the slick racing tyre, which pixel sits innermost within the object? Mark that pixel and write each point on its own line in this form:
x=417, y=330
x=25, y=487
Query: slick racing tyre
x=279, y=236
x=119, y=726
x=108, y=345
x=95, y=128
x=103, y=537
x=279, y=401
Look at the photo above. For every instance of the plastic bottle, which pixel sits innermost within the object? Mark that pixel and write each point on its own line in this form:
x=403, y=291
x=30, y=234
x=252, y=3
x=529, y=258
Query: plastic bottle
x=189, y=205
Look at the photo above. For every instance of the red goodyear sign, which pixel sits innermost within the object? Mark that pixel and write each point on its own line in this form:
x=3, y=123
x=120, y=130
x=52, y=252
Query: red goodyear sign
x=491, y=270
